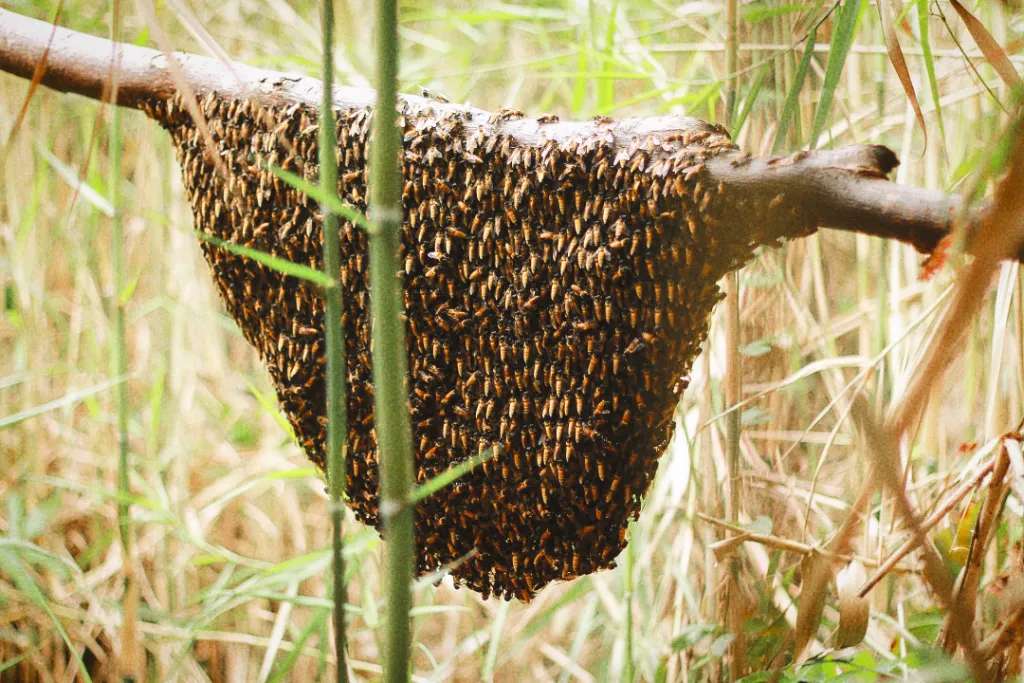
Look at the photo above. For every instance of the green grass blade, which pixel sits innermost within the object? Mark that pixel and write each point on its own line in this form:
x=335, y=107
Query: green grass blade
x=606, y=82
x=929, y=65
x=324, y=197
x=70, y=176
x=842, y=40
x=756, y=12
x=748, y=103
x=491, y=657
x=283, y=671
x=793, y=96
x=270, y=261
x=435, y=484
x=56, y=404
x=13, y=566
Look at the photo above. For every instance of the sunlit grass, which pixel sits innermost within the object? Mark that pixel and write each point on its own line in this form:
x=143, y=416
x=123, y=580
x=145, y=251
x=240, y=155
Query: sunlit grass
x=232, y=526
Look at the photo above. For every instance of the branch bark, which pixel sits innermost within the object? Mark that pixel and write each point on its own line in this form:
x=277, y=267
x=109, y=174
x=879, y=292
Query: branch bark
x=844, y=189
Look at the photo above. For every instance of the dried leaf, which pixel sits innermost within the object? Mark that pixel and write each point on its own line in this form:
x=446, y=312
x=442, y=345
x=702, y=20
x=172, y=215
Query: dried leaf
x=854, y=611
x=999, y=234
x=936, y=260
x=993, y=51
x=37, y=77
x=817, y=576
x=899, y=63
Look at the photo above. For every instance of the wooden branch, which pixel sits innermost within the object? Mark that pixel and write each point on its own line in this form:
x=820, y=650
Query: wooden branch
x=776, y=198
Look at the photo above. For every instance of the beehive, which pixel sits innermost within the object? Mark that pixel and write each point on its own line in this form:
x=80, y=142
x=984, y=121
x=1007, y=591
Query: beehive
x=555, y=296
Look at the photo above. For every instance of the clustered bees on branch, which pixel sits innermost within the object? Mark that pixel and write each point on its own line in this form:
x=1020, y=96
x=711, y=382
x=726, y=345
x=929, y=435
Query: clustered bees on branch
x=556, y=293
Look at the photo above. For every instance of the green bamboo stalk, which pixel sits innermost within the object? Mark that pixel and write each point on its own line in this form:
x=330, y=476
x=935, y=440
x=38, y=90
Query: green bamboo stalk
x=334, y=333
x=394, y=436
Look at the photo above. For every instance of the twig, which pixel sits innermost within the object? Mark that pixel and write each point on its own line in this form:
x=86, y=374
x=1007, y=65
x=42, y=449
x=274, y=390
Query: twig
x=843, y=189
x=796, y=547
x=881, y=446
x=1010, y=630
x=934, y=518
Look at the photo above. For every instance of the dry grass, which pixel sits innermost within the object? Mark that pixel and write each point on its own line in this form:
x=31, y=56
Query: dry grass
x=231, y=523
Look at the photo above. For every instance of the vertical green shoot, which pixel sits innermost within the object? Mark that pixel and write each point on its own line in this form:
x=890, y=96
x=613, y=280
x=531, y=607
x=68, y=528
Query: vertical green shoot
x=334, y=333
x=929, y=65
x=394, y=437
x=790, y=108
x=842, y=40
x=120, y=353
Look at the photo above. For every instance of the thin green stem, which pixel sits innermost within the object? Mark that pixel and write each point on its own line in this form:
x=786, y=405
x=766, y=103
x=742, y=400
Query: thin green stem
x=628, y=599
x=334, y=333
x=128, y=655
x=394, y=436
x=119, y=348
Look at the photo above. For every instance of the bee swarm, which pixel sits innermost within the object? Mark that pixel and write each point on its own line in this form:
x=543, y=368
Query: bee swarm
x=555, y=296
x=558, y=279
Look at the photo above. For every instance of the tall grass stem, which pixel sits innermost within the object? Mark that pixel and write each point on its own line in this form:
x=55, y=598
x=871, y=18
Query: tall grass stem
x=334, y=333
x=394, y=438
x=733, y=379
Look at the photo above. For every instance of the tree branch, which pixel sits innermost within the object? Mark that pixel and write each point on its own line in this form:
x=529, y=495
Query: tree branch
x=775, y=198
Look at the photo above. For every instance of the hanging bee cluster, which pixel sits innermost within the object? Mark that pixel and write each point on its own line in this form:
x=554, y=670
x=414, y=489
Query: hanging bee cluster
x=556, y=293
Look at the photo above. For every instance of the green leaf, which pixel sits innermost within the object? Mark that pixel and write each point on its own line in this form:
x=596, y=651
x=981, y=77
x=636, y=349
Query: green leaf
x=13, y=566
x=793, y=96
x=268, y=404
x=125, y=295
x=89, y=193
x=754, y=416
x=929, y=64
x=294, y=473
x=757, y=12
x=270, y=261
x=691, y=635
x=756, y=348
x=332, y=201
x=762, y=525
x=435, y=484
x=282, y=672
x=721, y=644
x=64, y=401
x=13, y=662
x=842, y=40
x=33, y=554
x=748, y=102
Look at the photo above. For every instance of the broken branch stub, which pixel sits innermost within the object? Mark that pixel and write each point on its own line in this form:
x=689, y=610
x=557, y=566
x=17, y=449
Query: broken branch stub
x=558, y=281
